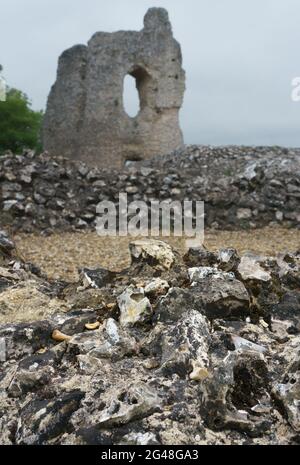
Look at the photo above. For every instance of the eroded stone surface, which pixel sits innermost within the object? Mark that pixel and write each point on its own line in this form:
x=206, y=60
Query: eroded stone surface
x=154, y=252
x=198, y=363
x=135, y=308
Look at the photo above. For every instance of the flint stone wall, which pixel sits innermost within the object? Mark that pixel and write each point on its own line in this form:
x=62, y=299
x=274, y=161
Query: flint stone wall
x=242, y=187
x=85, y=117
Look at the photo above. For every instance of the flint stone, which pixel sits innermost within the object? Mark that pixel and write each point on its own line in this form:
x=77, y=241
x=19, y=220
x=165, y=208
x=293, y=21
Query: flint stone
x=137, y=401
x=287, y=391
x=243, y=344
x=289, y=270
x=250, y=269
x=222, y=297
x=228, y=259
x=135, y=308
x=33, y=372
x=6, y=244
x=199, y=256
x=139, y=439
x=288, y=310
x=239, y=383
x=107, y=342
x=157, y=253
x=96, y=278
x=23, y=339
x=41, y=420
x=185, y=343
x=244, y=213
x=156, y=287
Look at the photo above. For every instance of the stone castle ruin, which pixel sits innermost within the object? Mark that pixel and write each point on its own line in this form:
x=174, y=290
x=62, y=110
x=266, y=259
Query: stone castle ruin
x=85, y=117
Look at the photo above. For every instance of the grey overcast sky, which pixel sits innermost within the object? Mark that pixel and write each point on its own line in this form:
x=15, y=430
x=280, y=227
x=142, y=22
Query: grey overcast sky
x=240, y=57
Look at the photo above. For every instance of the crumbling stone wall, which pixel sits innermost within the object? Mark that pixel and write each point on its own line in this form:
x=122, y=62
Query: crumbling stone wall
x=85, y=117
x=242, y=187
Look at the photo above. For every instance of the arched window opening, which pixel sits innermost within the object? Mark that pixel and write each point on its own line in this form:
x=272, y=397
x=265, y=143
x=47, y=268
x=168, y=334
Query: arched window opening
x=131, y=97
x=136, y=90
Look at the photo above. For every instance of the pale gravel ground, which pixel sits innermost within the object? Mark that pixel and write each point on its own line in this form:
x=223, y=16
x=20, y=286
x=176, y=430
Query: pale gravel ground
x=60, y=255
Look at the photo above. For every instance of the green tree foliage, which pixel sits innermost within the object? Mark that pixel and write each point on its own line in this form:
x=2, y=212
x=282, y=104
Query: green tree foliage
x=19, y=124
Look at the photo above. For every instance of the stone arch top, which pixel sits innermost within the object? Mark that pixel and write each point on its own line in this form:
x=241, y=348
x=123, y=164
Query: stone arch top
x=85, y=116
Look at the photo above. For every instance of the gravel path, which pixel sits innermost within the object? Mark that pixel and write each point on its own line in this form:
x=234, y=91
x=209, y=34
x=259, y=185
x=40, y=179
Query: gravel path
x=60, y=255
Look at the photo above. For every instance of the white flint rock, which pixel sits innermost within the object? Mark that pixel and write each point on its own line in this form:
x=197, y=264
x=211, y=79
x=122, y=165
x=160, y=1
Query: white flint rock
x=139, y=401
x=112, y=330
x=244, y=213
x=8, y=204
x=250, y=268
x=186, y=343
x=2, y=349
x=250, y=172
x=202, y=272
x=134, y=307
x=228, y=259
x=104, y=342
x=224, y=255
x=156, y=286
x=139, y=439
x=158, y=251
x=243, y=344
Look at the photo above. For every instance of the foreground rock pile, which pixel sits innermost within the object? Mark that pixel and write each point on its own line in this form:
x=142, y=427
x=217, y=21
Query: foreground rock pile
x=241, y=187
x=200, y=349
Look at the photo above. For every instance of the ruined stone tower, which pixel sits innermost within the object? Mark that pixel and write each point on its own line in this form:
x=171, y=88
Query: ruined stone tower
x=85, y=117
